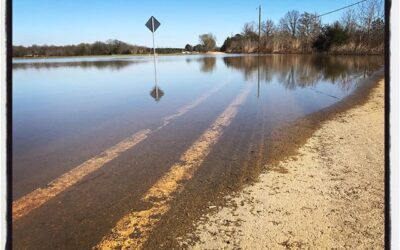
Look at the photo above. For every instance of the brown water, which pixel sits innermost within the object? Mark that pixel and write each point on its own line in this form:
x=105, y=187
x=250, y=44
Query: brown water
x=68, y=110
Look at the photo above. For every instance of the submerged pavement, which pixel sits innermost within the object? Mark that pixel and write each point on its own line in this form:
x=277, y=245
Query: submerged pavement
x=146, y=189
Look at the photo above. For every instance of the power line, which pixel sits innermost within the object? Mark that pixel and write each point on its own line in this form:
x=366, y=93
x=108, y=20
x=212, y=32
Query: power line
x=341, y=8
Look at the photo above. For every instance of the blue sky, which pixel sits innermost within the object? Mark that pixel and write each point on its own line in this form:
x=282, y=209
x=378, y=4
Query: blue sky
x=61, y=22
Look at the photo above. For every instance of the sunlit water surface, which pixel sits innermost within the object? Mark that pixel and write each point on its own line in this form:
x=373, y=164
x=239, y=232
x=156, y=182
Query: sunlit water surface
x=65, y=110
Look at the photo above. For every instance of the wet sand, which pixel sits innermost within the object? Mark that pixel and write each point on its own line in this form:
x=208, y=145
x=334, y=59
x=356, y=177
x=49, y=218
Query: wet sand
x=327, y=193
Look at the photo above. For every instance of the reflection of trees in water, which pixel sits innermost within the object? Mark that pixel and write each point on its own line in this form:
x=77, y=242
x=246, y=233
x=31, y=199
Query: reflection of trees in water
x=306, y=70
x=207, y=63
x=112, y=64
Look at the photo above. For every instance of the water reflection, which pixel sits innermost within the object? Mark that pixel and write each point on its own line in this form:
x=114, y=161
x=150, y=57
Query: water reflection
x=114, y=64
x=75, y=111
x=156, y=93
x=258, y=76
x=207, y=63
x=294, y=71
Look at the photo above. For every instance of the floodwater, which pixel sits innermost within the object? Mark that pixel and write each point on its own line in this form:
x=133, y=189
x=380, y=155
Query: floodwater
x=75, y=114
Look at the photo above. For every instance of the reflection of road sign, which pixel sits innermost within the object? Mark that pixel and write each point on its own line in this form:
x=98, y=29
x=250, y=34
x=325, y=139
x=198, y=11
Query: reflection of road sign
x=153, y=24
x=156, y=93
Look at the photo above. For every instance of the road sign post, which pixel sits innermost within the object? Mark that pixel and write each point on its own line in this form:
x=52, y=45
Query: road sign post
x=153, y=24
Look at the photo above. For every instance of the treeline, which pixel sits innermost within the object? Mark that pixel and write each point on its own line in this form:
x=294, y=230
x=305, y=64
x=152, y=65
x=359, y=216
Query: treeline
x=360, y=30
x=110, y=47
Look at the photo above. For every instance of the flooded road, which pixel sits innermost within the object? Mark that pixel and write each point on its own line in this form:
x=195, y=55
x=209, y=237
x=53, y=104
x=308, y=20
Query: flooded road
x=103, y=156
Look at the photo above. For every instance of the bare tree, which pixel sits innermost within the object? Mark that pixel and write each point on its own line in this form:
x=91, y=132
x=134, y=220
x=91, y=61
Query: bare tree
x=349, y=21
x=208, y=41
x=249, y=30
x=268, y=28
x=309, y=26
x=289, y=23
x=368, y=12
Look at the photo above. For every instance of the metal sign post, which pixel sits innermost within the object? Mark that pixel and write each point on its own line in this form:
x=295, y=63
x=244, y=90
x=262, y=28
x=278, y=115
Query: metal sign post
x=153, y=24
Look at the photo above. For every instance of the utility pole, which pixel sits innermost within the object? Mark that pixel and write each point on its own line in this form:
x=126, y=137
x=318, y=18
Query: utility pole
x=259, y=29
x=259, y=50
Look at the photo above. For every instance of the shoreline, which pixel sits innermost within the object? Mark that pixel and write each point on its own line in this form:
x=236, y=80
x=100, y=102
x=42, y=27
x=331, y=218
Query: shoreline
x=127, y=55
x=204, y=53
x=320, y=193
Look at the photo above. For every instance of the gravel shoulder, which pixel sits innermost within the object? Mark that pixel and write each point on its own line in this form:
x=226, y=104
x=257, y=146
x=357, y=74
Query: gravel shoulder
x=329, y=195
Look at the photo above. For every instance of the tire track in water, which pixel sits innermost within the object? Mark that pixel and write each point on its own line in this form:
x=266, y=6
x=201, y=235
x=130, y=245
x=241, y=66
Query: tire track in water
x=132, y=230
x=38, y=197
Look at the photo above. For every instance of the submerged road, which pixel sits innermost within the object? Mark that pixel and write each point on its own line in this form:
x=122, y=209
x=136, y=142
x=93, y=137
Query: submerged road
x=71, y=216
x=39, y=196
x=140, y=179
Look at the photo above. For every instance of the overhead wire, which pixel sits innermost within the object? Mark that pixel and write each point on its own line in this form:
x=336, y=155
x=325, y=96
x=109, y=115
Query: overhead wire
x=330, y=12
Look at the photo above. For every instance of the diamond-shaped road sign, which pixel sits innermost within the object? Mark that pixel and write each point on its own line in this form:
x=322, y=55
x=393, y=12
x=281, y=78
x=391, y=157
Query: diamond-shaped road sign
x=153, y=24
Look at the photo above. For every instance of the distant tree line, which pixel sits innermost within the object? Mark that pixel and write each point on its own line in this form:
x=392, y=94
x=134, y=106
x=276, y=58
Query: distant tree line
x=360, y=30
x=110, y=47
x=169, y=50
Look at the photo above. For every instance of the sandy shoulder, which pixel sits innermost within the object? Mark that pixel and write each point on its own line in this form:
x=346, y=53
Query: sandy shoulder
x=331, y=195
x=215, y=53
